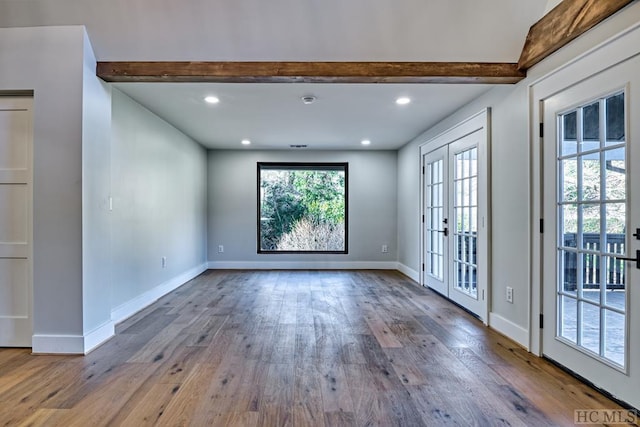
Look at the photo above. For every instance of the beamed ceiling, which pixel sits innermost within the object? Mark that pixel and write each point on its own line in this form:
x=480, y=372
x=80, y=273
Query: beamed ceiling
x=356, y=57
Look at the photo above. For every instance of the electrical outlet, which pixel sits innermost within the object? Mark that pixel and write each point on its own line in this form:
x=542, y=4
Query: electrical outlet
x=220, y=248
x=509, y=294
x=385, y=249
x=164, y=262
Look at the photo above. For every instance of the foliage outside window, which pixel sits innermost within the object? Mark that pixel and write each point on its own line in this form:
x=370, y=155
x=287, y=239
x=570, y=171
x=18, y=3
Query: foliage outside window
x=302, y=207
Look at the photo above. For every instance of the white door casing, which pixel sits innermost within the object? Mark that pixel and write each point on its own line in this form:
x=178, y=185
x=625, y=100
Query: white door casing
x=15, y=222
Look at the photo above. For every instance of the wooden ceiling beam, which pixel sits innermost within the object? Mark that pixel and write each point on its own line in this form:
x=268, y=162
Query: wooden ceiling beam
x=310, y=72
x=565, y=22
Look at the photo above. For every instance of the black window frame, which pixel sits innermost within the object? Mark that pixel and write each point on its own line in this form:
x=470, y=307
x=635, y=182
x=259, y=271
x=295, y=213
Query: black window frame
x=341, y=166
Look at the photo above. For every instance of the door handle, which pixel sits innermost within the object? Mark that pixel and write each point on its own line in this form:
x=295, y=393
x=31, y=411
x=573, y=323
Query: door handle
x=636, y=259
x=446, y=233
x=637, y=234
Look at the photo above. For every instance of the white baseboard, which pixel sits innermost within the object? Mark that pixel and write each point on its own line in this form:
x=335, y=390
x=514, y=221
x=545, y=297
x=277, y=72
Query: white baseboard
x=79, y=344
x=509, y=329
x=72, y=344
x=99, y=335
x=131, y=307
x=303, y=265
x=409, y=272
x=57, y=344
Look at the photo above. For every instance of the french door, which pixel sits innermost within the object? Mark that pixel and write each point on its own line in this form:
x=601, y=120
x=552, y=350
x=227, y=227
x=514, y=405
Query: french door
x=451, y=222
x=591, y=271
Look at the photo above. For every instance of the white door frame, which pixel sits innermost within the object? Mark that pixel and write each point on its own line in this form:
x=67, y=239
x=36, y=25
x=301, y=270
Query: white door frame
x=604, y=56
x=478, y=122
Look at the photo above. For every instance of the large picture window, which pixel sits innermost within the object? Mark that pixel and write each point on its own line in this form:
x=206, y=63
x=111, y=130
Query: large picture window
x=302, y=207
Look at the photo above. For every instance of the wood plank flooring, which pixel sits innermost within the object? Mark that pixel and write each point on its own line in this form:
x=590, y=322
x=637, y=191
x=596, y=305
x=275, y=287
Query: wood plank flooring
x=294, y=348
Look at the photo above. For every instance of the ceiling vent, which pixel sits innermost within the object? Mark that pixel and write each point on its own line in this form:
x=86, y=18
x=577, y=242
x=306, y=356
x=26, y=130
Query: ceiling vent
x=298, y=146
x=308, y=99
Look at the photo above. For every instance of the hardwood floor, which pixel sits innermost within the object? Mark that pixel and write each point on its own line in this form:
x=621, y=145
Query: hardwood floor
x=300, y=348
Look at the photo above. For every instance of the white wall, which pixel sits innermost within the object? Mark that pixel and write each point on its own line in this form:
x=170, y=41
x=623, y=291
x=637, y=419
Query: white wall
x=96, y=218
x=159, y=183
x=233, y=209
x=513, y=226
x=49, y=61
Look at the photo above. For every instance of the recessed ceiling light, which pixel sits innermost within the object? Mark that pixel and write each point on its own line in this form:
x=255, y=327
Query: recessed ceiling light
x=212, y=99
x=365, y=142
x=245, y=142
x=403, y=100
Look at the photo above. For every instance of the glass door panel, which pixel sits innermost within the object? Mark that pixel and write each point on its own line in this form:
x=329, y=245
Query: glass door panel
x=435, y=221
x=435, y=215
x=465, y=227
x=591, y=207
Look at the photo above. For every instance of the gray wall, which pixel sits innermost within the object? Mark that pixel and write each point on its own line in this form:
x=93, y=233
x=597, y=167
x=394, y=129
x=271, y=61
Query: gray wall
x=48, y=61
x=232, y=207
x=159, y=182
x=159, y=188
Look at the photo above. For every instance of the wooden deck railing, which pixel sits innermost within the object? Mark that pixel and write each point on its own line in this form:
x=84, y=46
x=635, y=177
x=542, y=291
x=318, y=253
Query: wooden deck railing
x=591, y=268
x=615, y=268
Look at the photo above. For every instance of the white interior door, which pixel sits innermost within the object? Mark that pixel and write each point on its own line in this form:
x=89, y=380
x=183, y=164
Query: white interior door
x=455, y=196
x=15, y=222
x=591, y=294
x=436, y=227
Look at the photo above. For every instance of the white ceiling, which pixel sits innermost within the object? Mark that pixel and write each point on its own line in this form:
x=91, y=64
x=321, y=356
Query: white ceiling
x=272, y=115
